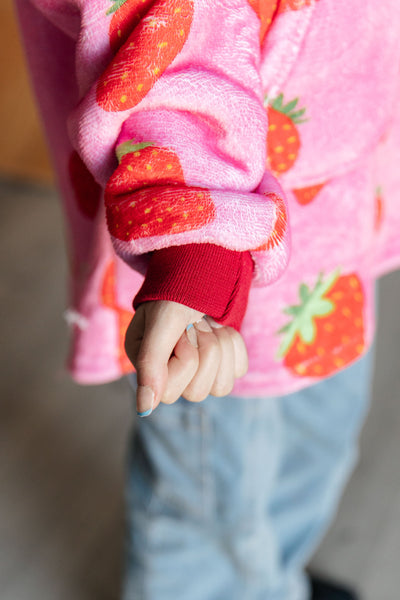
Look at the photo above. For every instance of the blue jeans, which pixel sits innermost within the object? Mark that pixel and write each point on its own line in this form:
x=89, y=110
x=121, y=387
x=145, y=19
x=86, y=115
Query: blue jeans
x=228, y=499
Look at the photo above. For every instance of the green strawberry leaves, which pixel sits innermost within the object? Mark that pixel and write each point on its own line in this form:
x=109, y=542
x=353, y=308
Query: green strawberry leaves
x=312, y=304
x=130, y=146
x=116, y=4
x=288, y=109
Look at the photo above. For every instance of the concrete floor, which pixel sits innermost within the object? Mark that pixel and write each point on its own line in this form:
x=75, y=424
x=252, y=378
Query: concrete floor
x=62, y=446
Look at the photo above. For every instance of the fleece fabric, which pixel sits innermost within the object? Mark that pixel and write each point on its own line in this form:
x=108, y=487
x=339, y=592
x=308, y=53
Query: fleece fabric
x=259, y=126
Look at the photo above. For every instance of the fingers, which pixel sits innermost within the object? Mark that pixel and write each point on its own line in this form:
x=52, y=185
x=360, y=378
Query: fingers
x=169, y=365
x=150, y=340
x=225, y=378
x=146, y=399
x=182, y=367
x=240, y=353
x=197, y=387
x=241, y=364
x=222, y=357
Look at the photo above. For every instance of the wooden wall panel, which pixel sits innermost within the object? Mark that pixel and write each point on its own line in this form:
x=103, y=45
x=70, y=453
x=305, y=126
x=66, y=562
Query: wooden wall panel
x=23, y=152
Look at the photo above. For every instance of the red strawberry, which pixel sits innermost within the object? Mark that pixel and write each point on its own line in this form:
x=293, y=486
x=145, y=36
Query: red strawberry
x=327, y=328
x=142, y=165
x=159, y=211
x=283, y=140
x=124, y=319
x=378, y=208
x=126, y=15
x=279, y=230
x=87, y=190
x=108, y=297
x=149, y=50
x=307, y=194
x=108, y=294
x=265, y=10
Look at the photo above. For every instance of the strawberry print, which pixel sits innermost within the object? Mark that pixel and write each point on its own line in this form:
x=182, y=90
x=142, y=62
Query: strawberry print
x=265, y=10
x=87, y=190
x=326, y=332
x=280, y=227
x=108, y=298
x=155, y=207
x=378, y=208
x=149, y=50
x=126, y=16
x=307, y=194
x=283, y=140
x=159, y=210
x=141, y=165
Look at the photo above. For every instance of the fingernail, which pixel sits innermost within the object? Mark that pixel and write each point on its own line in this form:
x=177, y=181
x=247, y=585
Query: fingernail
x=202, y=325
x=144, y=400
x=213, y=323
x=191, y=334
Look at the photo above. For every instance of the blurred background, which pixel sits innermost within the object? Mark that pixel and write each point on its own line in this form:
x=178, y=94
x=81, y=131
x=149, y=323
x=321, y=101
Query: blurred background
x=62, y=446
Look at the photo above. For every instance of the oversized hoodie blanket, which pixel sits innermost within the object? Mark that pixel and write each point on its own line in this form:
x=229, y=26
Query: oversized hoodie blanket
x=265, y=127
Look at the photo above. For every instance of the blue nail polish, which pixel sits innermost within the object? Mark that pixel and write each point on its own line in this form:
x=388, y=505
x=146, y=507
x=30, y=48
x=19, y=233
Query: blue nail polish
x=146, y=413
x=189, y=326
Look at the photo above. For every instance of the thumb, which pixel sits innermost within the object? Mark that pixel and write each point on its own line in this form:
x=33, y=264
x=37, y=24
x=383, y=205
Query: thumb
x=163, y=326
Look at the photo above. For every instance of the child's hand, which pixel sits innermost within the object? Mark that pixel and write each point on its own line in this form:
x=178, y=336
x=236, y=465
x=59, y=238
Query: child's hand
x=157, y=330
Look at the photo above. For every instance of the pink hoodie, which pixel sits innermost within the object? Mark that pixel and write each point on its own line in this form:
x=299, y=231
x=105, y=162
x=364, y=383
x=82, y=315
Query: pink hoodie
x=301, y=129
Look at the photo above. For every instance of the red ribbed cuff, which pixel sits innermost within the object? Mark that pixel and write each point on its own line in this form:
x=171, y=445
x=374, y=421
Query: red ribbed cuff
x=207, y=277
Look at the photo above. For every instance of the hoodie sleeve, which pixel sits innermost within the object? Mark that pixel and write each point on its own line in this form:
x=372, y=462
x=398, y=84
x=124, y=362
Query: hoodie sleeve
x=170, y=122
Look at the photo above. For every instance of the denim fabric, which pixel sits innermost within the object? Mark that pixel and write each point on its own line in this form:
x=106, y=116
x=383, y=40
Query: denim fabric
x=228, y=499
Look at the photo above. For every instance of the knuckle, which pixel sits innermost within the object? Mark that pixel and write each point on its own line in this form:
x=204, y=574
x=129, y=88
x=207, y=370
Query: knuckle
x=195, y=395
x=222, y=389
x=243, y=368
x=193, y=363
x=236, y=338
x=191, y=397
x=144, y=359
x=212, y=351
x=168, y=398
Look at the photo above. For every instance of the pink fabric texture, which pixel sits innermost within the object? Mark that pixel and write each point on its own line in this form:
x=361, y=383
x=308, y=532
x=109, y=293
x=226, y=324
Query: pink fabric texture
x=286, y=149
